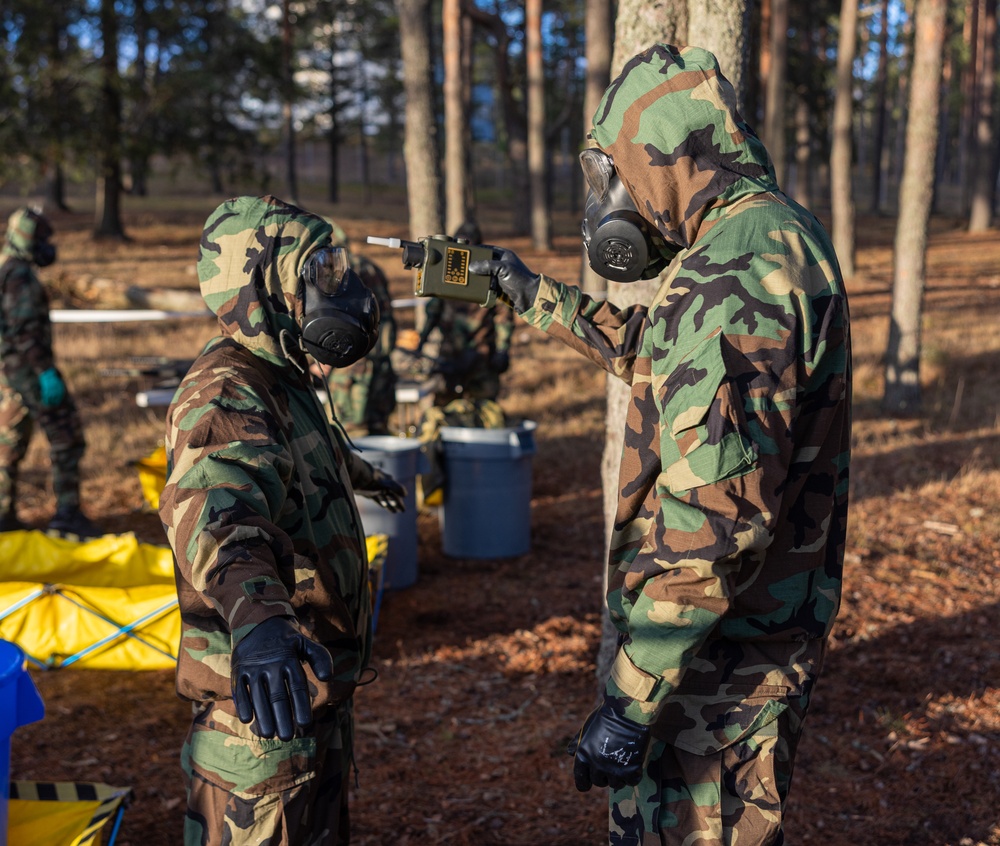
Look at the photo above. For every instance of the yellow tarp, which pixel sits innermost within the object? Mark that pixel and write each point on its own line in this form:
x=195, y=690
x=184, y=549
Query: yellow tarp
x=152, y=470
x=61, y=813
x=108, y=603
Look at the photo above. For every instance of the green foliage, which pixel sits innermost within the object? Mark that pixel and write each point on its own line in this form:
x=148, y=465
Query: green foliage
x=44, y=77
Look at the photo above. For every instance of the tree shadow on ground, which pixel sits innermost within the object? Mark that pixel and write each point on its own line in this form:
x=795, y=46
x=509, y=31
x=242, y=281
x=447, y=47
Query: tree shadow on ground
x=898, y=715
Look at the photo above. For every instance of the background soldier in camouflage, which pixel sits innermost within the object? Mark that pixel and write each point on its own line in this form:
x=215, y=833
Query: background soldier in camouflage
x=474, y=350
x=270, y=553
x=364, y=394
x=727, y=548
x=31, y=386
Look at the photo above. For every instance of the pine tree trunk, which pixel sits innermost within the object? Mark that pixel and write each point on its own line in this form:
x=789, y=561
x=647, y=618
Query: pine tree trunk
x=598, y=37
x=541, y=229
x=108, y=208
x=455, y=118
x=723, y=27
x=291, y=170
x=967, y=134
x=902, y=372
x=878, y=137
x=983, y=185
x=841, y=171
x=423, y=171
x=774, y=110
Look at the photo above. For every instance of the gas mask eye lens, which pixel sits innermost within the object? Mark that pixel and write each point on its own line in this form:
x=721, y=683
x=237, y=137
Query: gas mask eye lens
x=598, y=169
x=326, y=269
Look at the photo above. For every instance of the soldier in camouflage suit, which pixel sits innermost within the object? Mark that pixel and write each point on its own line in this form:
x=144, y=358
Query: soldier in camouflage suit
x=364, y=394
x=727, y=548
x=271, y=563
x=32, y=389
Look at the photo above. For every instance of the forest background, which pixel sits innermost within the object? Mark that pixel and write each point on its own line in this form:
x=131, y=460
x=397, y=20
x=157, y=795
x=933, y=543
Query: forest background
x=129, y=121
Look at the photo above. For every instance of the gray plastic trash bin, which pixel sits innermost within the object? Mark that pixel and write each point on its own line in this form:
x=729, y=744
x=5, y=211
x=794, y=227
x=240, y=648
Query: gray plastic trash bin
x=486, y=511
x=400, y=458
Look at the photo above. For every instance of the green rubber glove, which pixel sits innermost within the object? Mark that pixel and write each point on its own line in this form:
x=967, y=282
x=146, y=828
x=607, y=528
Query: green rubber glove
x=51, y=387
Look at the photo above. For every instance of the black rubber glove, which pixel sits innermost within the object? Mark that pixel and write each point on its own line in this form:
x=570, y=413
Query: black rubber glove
x=610, y=750
x=388, y=493
x=500, y=361
x=268, y=680
x=513, y=280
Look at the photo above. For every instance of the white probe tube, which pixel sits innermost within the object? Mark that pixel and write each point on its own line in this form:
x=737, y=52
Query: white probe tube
x=395, y=243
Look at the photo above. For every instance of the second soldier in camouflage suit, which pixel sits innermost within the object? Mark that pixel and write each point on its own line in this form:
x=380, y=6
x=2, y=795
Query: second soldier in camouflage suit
x=271, y=564
x=32, y=389
x=727, y=548
x=364, y=394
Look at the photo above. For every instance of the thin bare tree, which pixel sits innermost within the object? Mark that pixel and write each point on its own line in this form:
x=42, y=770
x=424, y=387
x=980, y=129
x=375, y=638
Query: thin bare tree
x=423, y=169
x=902, y=394
x=288, y=102
x=984, y=172
x=541, y=226
x=108, y=221
x=841, y=160
x=456, y=118
x=879, y=109
x=774, y=102
x=599, y=34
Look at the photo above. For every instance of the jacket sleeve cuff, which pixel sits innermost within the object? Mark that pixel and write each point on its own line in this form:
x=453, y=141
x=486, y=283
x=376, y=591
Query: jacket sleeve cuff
x=633, y=692
x=555, y=303
x=260, y=598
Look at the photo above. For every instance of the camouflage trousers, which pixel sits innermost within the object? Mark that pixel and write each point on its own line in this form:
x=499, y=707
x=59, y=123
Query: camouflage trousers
x=734, y=796
x=64, y=432
x=242, y=789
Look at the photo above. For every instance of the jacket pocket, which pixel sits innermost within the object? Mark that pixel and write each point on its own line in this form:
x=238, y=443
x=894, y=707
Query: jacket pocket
x=704, y=726
x=250, y=766
x=704, y=437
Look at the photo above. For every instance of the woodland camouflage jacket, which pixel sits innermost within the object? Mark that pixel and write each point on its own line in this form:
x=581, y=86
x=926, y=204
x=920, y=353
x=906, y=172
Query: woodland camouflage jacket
x=25, y=328
x=727, y=548
x=258, y=505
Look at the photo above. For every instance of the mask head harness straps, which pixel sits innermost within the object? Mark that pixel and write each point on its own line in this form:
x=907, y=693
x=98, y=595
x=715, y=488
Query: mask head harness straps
x=340, y=315
x=615, y=235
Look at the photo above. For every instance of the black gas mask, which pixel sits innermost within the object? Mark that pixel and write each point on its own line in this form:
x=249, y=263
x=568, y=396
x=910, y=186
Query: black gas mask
x=617, y=238
x=43, y=251
x=340, y=317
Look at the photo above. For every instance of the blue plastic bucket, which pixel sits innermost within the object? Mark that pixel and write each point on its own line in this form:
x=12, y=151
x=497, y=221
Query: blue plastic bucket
x=402, y=459
x=486, y=511
x=20, y=704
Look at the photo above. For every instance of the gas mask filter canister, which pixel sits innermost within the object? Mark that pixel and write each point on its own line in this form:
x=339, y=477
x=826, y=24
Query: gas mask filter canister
x=43, y=253
x=614, y=233
x=340, y=314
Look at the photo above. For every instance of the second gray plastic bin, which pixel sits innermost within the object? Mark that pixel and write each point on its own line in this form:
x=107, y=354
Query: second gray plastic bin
x=402, y=459
x=486, y=511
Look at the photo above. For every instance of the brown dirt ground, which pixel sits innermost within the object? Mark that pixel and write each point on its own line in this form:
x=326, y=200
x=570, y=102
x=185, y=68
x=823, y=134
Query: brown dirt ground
x=486, y=666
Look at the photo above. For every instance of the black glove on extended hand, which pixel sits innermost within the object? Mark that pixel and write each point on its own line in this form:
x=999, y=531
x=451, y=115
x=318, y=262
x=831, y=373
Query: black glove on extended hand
x=268, y=680
x=610, y=750
x=514, y=280
x=388, y=493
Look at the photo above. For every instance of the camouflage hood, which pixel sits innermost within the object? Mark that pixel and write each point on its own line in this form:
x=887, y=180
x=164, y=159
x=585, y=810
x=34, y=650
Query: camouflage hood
x=24, y=227
x=251, y=252
x=671, y=125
